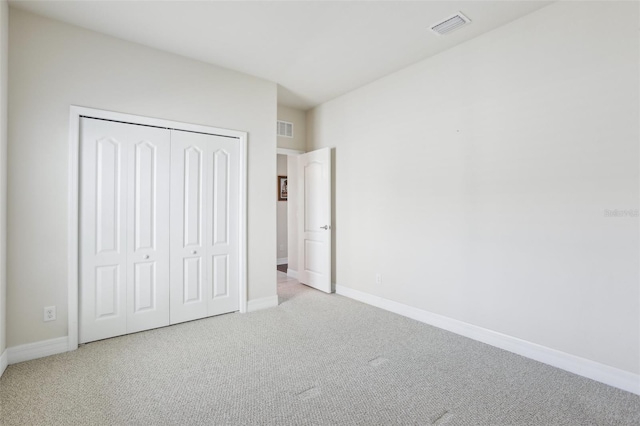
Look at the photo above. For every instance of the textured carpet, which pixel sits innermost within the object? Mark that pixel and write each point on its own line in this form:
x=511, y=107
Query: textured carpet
x=315, y=359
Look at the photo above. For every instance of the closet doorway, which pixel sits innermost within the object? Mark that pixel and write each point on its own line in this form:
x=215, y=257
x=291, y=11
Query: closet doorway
x=286, y=213
x=157, y=223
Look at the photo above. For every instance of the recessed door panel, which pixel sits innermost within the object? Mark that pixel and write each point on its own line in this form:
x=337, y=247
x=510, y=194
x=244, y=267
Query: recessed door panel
x=145, y=195
x=108, y=208
x=313, y=256
x=107, y=289
x=144, y=287
x=220, y=276
x=192, y=217
x=220, y=172
x=192, y=280
x=313, y=197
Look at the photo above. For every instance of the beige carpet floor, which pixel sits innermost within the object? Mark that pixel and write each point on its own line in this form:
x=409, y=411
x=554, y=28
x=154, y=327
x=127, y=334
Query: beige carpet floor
x=316, y=359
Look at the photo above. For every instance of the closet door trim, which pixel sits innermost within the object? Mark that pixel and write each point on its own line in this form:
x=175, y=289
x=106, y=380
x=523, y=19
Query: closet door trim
x=73, y=236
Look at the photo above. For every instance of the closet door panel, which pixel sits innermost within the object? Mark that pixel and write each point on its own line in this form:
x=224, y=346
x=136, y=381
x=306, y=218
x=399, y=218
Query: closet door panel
x=103, y=231
x=222, y=216
x=204, y=225
x=188, y=189
x=192, y=280
x=148, y=225
x=124, y=255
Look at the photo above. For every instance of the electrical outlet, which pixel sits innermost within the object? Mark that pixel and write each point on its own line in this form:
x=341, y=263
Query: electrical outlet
x=50, y=313
x=378, y=278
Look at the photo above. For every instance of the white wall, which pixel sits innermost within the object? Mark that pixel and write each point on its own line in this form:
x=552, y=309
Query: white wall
x=476, y=182
x=282, y=246
x=4, y=50
x=298, y=118
x=54, y=65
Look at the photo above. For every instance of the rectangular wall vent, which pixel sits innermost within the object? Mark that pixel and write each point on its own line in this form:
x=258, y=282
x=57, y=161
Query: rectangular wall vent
x=285, y=129
x=450, y=24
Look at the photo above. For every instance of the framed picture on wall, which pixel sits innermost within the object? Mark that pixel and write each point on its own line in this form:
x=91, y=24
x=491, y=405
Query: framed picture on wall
x=282, y=188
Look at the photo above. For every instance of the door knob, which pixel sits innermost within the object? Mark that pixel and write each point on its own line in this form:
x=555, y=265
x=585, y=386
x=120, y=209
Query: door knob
x=194, y=252
x=146, y=256
x=325, y=227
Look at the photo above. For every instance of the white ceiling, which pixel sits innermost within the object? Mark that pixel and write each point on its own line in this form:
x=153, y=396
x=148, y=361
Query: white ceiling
x=315, y=50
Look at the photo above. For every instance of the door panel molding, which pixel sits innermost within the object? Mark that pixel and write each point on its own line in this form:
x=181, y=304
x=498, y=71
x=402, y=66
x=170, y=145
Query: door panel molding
x=73, y=220
x=145, y=194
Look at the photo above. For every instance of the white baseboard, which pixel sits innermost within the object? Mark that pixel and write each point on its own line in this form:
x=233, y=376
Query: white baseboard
x=4, y=361
x=37, y=350
x=263, y=303
x=283, y=261
x=581, y=366
x=292, y=273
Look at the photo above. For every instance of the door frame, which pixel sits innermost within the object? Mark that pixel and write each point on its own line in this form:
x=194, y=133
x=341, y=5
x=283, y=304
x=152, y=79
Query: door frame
x=291, y=207
x=73, y=218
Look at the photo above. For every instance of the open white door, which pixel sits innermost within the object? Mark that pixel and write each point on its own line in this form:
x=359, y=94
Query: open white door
x=314, y=219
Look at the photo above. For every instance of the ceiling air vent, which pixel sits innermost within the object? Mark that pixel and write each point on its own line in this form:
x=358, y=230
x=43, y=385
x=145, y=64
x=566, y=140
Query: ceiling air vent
x=450, y=24
x=285, y=129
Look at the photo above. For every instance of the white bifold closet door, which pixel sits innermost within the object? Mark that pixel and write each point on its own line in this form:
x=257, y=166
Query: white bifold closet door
x=159, y=216
x=124, y=217
x=205, y=190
